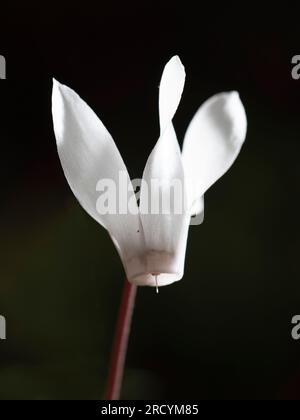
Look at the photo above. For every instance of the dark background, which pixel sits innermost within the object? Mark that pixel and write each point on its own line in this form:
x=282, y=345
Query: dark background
x=224, y=331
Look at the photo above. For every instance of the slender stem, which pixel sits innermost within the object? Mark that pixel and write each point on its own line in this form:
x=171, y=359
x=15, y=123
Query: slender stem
x=119, y=349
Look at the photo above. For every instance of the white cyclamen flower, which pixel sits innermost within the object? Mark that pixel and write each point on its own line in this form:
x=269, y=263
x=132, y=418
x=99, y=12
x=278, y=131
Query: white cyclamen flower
x=151, y=246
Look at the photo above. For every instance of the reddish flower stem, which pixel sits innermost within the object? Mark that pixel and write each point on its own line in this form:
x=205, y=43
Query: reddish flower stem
x=119, y=349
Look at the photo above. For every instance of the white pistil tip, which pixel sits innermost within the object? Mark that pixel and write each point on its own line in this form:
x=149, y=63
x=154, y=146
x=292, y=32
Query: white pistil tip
x=156, y=282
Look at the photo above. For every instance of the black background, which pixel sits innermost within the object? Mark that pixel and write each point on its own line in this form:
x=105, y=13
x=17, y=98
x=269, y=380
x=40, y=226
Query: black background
x=224, y=331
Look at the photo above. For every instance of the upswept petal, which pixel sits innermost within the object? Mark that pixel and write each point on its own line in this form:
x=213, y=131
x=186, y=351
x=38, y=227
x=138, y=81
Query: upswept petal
x=166, y=231
x=170, y=91
x=88, y=155
x=212, y=142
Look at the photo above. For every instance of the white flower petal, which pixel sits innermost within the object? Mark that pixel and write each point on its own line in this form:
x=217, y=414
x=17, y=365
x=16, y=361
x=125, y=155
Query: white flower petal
x=165, y=234
x=170, y=91
x=88, y=154
x=213, y=141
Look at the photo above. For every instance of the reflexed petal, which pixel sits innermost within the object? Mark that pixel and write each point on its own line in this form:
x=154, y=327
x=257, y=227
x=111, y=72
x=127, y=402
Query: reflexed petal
x=165, y=234
x=213, y=141
x=170, y=90
x=88, y=154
